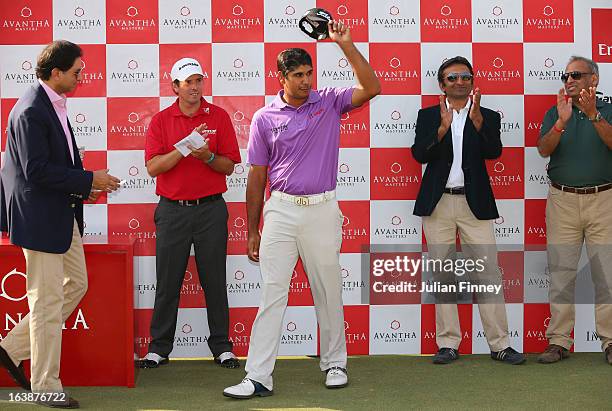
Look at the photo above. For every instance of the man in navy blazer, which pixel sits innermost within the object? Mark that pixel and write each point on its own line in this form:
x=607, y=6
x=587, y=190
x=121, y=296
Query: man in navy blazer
x=42, y=188
x=454, y=138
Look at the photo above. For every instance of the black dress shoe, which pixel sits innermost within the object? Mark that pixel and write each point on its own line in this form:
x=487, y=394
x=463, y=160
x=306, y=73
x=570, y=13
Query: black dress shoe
x=16, y=373
x=145, y=363
x=509, y=356
x=445, y=356
x=228, y=363
x=70, y=403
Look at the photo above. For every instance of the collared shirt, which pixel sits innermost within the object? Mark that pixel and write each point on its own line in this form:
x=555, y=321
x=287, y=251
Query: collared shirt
x=581, y=159
x=191, y=178
x=456, y=178
x=300, y=145
x=59, y=105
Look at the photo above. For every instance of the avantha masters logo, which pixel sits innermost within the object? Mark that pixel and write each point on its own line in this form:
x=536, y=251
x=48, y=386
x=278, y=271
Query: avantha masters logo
x=240, y=284
x=28, y=21
x=394, y=334
x=395, y=18
x=394, y=228
x=446, y=19
x=238, y=20
x=342, y=72
x=395, y=72
x=83, y=126
x=79, y=21
x=187, y=337
x=394, y=123
x=184, y=19
x=296, y=335
x=132, y=73
x=498, y=71
x=547, y=71
x=22, y=73
x=498, y=18
x=237, y=73
x=286, y=18
x=131, y=21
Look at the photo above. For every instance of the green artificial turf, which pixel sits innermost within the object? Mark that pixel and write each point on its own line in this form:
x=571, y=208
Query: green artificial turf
x=584, y=381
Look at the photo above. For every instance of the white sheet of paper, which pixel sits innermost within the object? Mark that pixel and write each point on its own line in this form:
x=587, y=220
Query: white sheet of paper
x=194, y=140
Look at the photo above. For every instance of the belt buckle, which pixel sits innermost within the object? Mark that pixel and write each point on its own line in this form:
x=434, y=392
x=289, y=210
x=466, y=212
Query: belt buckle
x=302, y=201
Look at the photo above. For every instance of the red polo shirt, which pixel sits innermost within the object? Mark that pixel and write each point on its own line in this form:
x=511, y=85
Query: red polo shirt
x=191, y=178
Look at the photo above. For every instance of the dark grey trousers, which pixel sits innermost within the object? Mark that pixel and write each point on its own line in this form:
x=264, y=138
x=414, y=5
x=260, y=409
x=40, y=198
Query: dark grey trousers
x=177, y=228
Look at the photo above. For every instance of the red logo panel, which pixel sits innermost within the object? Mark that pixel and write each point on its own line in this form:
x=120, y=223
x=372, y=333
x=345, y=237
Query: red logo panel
x=498, y=68
x=535, y=108
x=355, y=226
x=535, y=322
x=355, y=127
x=535, y=223
x=271, y=51
x=26, y=22
x=446, y=21
x=357, y=329
x=95, y=160
x=241, y=110
x=602, y=35
x=192, y=294
x=128, y=121
x=397, y=66
x=240, y=326
x=170, y=53
x=93, y=74
x=133, y=221
x=131, y=22
x=546, y=21
x=237, y=229
x=428, y=328
x=352, y=13
x=237, y=22
x=512, y=268
x=299, y=287
x=394, y=174
x=507, y=173
x=6, y=105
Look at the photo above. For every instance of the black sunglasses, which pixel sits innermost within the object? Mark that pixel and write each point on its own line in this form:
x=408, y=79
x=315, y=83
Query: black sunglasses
x=465, y=76
x=576, y=75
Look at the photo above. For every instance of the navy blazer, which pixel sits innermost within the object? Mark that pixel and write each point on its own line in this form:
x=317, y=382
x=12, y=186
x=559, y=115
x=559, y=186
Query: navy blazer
x=41, y=190
x=438, y=155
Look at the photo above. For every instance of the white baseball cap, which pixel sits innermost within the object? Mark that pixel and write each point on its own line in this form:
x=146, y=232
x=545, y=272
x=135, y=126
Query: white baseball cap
x=184, y=68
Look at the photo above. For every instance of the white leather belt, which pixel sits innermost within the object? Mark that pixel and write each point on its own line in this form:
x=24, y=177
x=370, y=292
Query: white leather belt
x=307, y=200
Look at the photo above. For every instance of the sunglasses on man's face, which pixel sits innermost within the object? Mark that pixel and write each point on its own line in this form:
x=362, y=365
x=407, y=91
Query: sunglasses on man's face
x=576, y=75
x=452, y=77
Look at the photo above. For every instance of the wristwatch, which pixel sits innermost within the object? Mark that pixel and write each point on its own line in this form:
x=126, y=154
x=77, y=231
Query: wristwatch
x=596, y=118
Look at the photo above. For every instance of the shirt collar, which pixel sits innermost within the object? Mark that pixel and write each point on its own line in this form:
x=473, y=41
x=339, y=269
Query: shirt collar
x=56, y=99
x=467, y=104
x=204, y=110
x=278, y=101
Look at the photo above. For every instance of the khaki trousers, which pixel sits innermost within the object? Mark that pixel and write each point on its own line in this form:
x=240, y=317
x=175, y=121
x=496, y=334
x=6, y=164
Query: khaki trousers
x=315, y=234
x=571, y=220
x=453, y=213
x=55, y=284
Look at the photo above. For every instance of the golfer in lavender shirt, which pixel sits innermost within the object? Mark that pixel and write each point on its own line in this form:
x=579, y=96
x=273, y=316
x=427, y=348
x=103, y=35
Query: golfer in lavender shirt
x=294, y=142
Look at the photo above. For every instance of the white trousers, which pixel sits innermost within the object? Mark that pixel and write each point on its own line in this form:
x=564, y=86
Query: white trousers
x=315, y=234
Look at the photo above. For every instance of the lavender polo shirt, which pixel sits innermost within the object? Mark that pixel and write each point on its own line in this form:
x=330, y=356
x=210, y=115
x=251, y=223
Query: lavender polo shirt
x=300, y=145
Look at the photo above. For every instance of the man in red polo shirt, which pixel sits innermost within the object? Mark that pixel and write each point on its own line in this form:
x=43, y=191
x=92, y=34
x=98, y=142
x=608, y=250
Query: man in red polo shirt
x=191, y=210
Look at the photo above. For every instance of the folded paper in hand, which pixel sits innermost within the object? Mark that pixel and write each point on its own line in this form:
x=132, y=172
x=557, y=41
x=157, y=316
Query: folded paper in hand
x=194, y=140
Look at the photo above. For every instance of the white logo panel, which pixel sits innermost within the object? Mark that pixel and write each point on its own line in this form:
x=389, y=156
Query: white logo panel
x=145, y=282
x=509, y=226
x=87, y=116
x=139, y=187
x=544, y=65
x=238, y=69
x=333, y=69
x=95, y=220
x=393, y=223
x=18, y=68
x=188, y=21
x=191, y=335
x=132, y=70
x=353, y=283
x=353, y=179
x=497, y=21
x=243, y=282
x=394, y=21
x=511, y=110
x=282, y=18
x=393, y=120
x=536, y=175
x=236, y=183
x=514, y=313
x=395, y=329
x=299, y=332
x=80, y=22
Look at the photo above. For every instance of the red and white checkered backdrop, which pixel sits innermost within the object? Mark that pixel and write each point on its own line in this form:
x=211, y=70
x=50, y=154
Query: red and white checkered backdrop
x=518, y=49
